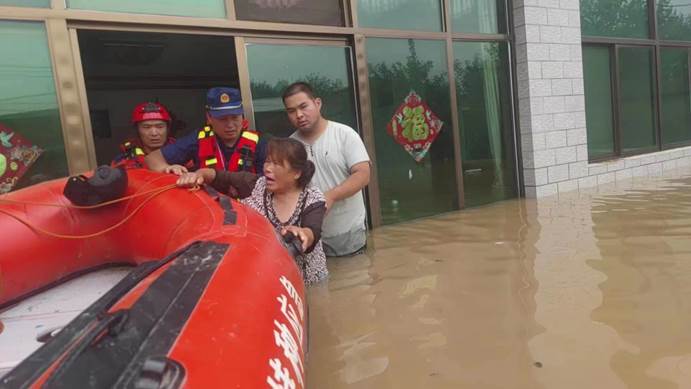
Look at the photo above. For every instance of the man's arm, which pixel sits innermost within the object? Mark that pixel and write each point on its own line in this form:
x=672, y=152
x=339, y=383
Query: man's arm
x=358, y=179
x=156, y=162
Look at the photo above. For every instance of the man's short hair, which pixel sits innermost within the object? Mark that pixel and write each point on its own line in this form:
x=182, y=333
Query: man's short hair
x=298, y=87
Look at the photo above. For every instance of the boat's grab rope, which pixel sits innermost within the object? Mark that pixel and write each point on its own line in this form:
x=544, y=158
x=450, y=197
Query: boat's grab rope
x=119, y=200
x=152, y=193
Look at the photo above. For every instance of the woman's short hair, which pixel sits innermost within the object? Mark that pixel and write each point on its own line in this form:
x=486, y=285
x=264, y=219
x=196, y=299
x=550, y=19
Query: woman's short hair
x=292, y=152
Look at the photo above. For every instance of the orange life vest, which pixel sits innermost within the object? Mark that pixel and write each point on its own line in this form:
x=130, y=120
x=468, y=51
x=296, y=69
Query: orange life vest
x=134, y=154
x=242, y=159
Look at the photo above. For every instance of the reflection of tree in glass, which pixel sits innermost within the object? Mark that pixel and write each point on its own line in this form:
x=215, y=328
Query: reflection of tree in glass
x=323, y=86
x=414, y=74
x=625, y=18
x=674, y=24
x=628, y=18
x=339, y=102
x=391, y=82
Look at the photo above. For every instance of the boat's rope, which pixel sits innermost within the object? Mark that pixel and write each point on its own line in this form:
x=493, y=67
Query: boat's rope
x=3, y=199
x=152, y=194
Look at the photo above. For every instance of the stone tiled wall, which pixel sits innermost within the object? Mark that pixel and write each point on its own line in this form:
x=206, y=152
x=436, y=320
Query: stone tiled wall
x=551, y=106
x=549, y=73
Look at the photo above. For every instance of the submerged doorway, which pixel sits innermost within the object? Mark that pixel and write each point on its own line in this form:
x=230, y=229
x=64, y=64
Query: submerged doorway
x=122, y=69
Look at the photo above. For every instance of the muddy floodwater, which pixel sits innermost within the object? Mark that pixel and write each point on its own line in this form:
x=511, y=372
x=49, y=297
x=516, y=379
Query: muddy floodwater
x=581, y=291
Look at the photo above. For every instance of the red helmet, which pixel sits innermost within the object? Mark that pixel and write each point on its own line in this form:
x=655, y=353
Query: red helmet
x=150, y=111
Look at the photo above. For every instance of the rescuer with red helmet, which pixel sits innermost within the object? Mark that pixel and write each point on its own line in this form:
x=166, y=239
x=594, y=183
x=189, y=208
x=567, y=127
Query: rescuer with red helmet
x=152, y=122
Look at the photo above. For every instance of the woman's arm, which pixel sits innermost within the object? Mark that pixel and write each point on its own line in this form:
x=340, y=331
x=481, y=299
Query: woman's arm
x=312, y=218
x=199, y=177
x=236, y=184
x=310, y=228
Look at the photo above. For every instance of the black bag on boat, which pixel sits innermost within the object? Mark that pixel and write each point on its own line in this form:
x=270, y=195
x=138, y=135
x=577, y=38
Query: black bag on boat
x=107, y=183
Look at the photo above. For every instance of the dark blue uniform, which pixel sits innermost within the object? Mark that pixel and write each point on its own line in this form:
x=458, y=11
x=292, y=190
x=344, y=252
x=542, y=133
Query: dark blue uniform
x=187, y=148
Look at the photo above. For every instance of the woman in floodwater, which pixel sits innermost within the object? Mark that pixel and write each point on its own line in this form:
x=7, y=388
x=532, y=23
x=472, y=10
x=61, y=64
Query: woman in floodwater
x=283, y=195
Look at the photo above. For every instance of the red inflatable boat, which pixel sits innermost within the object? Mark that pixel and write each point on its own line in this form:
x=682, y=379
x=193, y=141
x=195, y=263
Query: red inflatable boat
x=215, y=300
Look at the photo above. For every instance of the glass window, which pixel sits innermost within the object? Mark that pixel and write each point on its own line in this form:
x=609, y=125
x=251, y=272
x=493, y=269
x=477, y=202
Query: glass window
x=326, y=68
x=484, y=106
x=598, y=100
x=199, y=8
x=618, y=18
x=674, y=19
x=676, y=104
x=29, y=113
x=26, y=3
x=325, y=12
x=478, y=16
x=422, y=15
x=636, y=98
x=412, y=122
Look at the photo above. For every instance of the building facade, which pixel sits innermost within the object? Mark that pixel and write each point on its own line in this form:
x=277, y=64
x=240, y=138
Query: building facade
x=460, y=102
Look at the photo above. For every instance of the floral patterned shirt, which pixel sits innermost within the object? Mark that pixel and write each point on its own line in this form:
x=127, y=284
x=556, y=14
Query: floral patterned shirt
x=312, y=263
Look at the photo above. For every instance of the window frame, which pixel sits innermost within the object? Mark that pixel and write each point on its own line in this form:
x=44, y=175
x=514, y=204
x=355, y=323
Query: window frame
x=63, y=38
x=656, y=44
x=687, y=47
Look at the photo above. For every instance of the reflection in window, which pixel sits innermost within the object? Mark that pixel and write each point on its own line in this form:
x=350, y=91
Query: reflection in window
x=676, y=102
x=484, y=104
x=422, y=15
x=478, y=16
x=616, y=18
x=414, y=181
x=29, y=113
x=198, y=8
x=598, y=101
x=636, y=98
x=324, y=12
x=674, y=19
x=326, y=68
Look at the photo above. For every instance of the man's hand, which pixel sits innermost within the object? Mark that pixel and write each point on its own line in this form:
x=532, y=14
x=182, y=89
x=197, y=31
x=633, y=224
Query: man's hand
x=304, y=234
x=358, y=179
x=178, y=170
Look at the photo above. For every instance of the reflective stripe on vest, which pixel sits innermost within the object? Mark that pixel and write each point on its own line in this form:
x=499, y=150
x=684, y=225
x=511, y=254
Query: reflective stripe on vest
x=134, y=156
x=251, y=135
x=210, y=152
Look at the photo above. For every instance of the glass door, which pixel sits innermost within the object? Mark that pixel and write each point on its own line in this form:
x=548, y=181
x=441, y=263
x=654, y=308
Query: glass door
x=484, y=107
x=273, y=64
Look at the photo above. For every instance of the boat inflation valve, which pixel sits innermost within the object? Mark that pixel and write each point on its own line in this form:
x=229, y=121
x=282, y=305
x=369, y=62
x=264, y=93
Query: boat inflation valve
x=106, y=184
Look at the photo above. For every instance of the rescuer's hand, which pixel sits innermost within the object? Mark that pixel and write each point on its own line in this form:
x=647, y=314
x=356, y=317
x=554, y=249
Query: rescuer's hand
x=178, y=170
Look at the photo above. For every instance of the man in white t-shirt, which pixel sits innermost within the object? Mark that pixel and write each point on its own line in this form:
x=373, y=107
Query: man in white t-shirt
x=343, y=169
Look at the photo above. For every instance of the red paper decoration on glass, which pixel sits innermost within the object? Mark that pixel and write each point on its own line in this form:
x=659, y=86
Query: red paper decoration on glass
x=414, y=126
x=17, y=155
